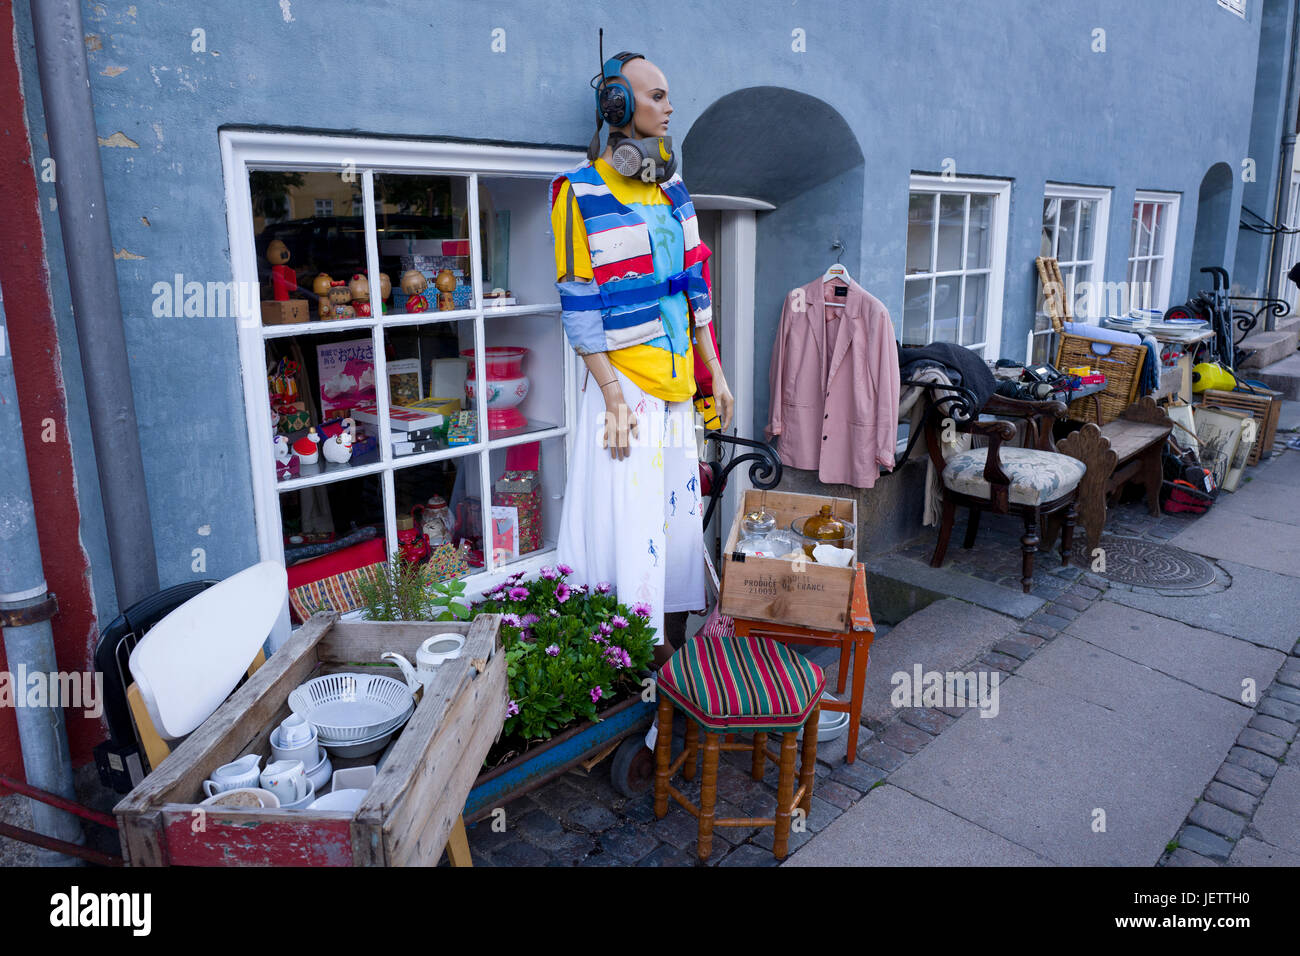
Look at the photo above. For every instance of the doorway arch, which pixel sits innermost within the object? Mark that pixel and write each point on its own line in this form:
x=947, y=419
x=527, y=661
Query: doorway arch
x=1213, y=220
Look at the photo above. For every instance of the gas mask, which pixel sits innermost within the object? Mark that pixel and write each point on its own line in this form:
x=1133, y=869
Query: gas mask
x=650, y=159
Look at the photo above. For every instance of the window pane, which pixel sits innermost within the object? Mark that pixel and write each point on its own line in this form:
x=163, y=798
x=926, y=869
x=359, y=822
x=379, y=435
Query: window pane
x=449, y=494
x=293, y=216
x=920, y=232
x=974, y=309
x=1153, y=285
x=1046, y=246
x=916, y=312
x=1133, y=250
x=979, y=240
x=425, y=366
x=1065, y=237
x=321, y=513
x=422, y=224
x=1159, y=213
x=1087, y=216
x=952, y=220
x=947, y=302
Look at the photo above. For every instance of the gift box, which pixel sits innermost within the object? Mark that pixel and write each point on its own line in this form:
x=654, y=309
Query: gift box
x=521, y=491
x=284, y=470
x=464, y=429
x=294, y=417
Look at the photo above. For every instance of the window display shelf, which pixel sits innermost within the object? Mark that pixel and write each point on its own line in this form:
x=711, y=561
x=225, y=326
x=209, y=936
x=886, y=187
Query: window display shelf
x=324, y=472
x=426, y=318
x=317, y=327
x=544, y=308
x=533, y=431
x=423, y=458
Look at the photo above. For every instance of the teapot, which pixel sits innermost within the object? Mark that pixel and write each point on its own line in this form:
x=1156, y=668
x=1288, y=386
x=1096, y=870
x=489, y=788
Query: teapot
x=435, y=650
x=412, y=543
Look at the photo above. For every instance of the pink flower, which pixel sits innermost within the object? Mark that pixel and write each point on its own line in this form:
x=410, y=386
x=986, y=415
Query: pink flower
x=529, y=619
x=605, y=629
x=512, y=620
x=518, y=594
x=596, y=693
x=617, y=657
x=562, y=593
x=549, y=573
x=618, y=620
x=599, y=639
x=553, y=612
x=553, y=650
x=565, y=569
x=641, y=609
x=603, y=587
x=511, y=709
x=515, y=578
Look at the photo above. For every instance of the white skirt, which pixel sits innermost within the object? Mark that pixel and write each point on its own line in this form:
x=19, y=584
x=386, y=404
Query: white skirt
x=637, y=523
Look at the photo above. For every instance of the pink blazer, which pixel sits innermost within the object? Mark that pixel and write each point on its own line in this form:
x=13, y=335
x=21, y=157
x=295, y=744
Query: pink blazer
x=835, y=404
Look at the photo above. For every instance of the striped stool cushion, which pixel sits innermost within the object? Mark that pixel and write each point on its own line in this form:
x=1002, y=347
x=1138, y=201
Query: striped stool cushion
x=729, y=683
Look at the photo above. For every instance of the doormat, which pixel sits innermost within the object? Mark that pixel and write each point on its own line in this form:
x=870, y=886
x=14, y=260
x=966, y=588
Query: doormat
x=1147, y=564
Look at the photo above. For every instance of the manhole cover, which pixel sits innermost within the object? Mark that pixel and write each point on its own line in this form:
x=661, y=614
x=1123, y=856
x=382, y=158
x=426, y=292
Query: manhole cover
x=1149, y=565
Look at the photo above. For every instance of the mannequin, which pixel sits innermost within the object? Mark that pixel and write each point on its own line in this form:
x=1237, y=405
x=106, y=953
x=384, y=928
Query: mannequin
x=632, y=516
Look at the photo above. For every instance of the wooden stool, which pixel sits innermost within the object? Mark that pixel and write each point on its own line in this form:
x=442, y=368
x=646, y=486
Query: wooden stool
x=727, y=685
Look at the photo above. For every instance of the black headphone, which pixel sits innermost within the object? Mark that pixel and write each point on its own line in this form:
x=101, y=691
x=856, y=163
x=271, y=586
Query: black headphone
x=615, y=102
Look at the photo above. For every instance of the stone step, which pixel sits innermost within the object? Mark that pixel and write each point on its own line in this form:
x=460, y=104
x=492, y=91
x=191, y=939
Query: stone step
x=1269, y=347
x=1283, y=376
x=1288, y=323
x=900, y=586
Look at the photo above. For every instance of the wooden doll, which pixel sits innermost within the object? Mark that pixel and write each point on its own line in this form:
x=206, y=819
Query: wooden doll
x=413, y=284
x=321, y=286
x=359, y=287
x=446, y=283
x=341, y=298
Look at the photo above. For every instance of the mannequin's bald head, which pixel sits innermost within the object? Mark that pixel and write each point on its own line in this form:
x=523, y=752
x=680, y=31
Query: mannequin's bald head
x=650, y=89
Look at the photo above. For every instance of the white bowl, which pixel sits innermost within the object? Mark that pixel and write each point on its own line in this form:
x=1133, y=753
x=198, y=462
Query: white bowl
x=344, y=800
x=243, y=798
x=360, y=748
x=320, y=774
x=307, y=753
x=301, y=804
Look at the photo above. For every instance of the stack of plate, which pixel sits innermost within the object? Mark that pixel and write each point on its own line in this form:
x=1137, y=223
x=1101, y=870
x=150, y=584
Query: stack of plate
x=354, y=714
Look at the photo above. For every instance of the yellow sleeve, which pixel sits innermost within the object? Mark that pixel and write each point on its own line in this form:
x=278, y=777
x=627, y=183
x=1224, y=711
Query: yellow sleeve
x=572, y=257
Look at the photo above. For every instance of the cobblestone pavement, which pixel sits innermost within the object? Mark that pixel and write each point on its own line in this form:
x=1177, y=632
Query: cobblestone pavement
x=581, y=820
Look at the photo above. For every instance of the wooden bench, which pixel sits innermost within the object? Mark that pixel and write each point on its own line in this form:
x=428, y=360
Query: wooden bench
x=1127, y=449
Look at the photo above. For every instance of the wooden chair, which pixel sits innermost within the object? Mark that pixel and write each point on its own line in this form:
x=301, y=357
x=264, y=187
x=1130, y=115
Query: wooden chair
x=728, y=685
x=1034, y=481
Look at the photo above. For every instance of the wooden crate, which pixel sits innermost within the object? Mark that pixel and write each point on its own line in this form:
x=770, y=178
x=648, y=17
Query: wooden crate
x=769, y=589
x=1264, y=406
x=408, y=812
x=285, y=313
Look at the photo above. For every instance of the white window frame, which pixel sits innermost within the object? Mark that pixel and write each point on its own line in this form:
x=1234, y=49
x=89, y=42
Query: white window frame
x=1234, y=6
x=1173, y=201
x=1000, y=190
x=1097, y=255
x=243, y=150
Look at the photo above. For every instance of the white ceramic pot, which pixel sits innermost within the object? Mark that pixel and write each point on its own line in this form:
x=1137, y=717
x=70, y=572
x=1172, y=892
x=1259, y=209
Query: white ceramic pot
x=236, y=775
x=250, y=798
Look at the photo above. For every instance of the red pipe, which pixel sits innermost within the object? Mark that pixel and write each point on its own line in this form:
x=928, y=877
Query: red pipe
x=60, y=846
x=61, y=803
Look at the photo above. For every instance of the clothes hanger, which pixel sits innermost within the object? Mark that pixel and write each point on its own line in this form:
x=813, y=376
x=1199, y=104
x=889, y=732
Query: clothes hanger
x=837, y=272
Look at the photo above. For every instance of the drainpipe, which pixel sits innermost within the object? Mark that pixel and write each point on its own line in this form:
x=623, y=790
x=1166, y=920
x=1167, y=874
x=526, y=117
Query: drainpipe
x=1290, y=119
x=92, y=276
x=25, y=611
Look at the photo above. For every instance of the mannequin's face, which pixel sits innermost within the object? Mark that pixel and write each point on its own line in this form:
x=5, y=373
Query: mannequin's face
x=652, y=105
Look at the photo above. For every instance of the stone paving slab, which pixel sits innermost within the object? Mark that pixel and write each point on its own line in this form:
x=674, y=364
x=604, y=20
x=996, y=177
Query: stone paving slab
x=1283, y=469
x=1205, y=659
x=951, y=582
x=1037, y=772
x=1166, y=705
x=1261, y=498
x=1278, y=818
x=1251, y=852
x=943, y=636
x=1240, y=537
x=891, y=827
x=1238, y=611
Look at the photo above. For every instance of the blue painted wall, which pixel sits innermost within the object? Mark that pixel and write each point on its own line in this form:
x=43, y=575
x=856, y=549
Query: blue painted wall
x=1006, y=89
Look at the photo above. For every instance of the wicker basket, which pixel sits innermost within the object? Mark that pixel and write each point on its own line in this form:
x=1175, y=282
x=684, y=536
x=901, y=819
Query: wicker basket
x=1121, y=364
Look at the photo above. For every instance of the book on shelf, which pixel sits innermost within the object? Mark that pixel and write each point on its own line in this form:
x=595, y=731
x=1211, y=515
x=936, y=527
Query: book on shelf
x=400, y=418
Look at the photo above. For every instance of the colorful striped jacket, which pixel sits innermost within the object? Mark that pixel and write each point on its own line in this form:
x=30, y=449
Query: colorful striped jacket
x=620, y=306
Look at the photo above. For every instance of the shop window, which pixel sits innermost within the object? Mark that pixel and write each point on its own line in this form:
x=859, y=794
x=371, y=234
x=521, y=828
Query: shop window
x=956, y=255
x=1074, y=233
x=429, y=318
x=1152, y=233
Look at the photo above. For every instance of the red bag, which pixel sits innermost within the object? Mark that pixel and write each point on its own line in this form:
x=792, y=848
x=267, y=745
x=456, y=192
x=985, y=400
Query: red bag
x=1183, y=496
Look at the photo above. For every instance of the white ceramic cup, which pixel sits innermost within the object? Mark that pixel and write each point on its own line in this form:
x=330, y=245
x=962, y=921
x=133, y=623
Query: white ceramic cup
x=306, y=752
x=287, y=779
x=295, y=731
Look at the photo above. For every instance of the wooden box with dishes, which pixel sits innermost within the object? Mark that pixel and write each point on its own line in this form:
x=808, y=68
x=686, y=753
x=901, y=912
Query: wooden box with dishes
x=789, y=559
x=207, y=804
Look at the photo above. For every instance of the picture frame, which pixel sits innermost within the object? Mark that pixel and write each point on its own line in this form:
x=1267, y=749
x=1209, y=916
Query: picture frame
x=1219, y=432
x=1249, y=435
